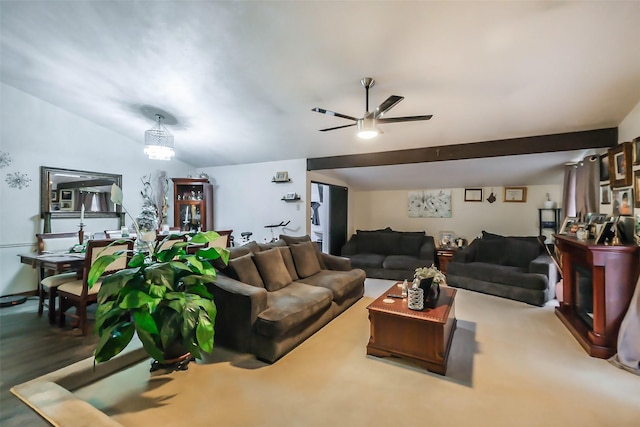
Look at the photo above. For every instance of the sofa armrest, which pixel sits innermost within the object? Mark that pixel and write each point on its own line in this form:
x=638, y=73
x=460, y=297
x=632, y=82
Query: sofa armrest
x=543, y=264
x=338, y=263
x=428, y=250
x=238, y=305
x=466, y=255
x=351, y=247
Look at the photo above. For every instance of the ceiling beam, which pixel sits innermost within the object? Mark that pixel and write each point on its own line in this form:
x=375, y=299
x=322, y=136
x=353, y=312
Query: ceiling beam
x=598, y=138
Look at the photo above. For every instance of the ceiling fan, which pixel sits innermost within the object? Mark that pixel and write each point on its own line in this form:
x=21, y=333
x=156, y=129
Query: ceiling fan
x=367, y=125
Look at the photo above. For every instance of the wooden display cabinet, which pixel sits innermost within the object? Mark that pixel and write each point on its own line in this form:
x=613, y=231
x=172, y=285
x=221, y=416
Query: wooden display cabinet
x=598, y=283
x=192, y=204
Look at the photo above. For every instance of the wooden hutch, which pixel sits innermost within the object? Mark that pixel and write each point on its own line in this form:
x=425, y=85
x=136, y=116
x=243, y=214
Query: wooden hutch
x=193, y=204
x=598, y=283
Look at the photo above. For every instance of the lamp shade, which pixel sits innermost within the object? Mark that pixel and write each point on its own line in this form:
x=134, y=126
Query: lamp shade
x=158, y=142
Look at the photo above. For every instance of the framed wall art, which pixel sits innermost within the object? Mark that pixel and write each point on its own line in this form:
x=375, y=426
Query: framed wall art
x=515, y=194
x=622, y=202
x=429, y=204
x=473, y=194
x=620, y=165
x=281, y=177
x=53, y=196
x=636, y=151
x=636, y=187
x=605, y=194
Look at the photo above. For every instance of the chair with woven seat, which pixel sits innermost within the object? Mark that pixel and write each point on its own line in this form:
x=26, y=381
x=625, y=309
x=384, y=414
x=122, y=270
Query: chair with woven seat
x=76, y=292
x=48, y=280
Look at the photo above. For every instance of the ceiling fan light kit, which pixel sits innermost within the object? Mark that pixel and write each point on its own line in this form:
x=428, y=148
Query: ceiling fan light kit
x=158, y=142
x=368, y=124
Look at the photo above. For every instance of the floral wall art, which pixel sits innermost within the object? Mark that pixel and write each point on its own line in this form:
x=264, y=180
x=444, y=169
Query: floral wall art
x=430, y=204
x=17, y=180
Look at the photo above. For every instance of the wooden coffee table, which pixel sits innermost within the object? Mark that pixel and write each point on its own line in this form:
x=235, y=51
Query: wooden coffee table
x=423, y=337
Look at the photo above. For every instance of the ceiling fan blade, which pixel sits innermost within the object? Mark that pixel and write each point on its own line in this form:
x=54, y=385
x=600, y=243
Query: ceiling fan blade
x=337, y=127
x=388, y=104
x=405, y=119
x=332, y=113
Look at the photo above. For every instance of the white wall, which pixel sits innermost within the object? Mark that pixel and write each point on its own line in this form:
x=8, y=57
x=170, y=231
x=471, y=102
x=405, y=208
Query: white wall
x=35, y=133
x=379, y=209
x=245, y=199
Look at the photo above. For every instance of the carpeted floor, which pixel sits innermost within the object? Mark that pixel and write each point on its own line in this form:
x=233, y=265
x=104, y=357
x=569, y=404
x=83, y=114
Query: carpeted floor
x=511, y=364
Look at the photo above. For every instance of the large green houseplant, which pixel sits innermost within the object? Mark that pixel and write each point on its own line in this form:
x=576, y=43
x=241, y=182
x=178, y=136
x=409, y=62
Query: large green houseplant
x=161, y=296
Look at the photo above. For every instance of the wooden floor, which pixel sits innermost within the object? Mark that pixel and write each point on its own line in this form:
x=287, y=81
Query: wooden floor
x=29, y=348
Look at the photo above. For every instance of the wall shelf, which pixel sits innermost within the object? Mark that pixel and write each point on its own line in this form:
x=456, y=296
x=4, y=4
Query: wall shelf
x=281, y=181
x=291, y=200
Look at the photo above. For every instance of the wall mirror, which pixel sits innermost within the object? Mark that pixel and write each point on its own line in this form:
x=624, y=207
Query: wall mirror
x=64, y=191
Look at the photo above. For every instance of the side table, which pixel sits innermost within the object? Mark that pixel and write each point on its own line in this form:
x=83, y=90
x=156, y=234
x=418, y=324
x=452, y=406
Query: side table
x=444, y=256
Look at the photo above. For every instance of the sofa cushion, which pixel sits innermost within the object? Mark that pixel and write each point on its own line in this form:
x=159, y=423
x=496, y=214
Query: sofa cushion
x=266, y=246
x=272, y=269
x=238, y=252
x=292, y=240
x=378, y=242
x=305, y=259
x=490, y=251
x=288, y=262
x=367, y=260
x=519, y=253
x=503, y=274
x=410, y=243
x=403, y=262
x=340, y=283
x=291, y=306
x=244, y=270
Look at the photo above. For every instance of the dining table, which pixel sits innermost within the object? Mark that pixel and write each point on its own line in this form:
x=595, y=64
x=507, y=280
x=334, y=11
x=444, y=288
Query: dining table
x=49, y=263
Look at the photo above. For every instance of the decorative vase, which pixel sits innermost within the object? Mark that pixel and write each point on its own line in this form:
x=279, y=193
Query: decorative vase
x=415, y=300
x=431, y=300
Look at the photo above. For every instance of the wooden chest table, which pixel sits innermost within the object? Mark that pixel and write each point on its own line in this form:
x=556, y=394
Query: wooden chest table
x=423, y=337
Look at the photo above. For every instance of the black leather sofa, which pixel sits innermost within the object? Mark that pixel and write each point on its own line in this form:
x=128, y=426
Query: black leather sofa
x=513, y=267
x=389, y=254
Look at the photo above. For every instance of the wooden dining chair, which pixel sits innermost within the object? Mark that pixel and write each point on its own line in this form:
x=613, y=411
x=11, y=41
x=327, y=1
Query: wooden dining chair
x=48, y=280
x=76, y=293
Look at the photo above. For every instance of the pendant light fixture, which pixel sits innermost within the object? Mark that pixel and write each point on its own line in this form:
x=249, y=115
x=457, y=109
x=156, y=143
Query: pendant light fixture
x=158, y=142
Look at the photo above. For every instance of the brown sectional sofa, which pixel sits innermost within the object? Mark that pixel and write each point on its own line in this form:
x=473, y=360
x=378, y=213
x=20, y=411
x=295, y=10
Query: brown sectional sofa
x=270, y=298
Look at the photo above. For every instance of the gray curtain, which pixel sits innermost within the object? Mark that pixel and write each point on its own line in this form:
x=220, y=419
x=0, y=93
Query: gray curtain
x=569, y=190
x=587, y=186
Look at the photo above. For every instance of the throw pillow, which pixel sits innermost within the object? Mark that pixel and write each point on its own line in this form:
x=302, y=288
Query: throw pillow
x=490, y=251
x=305, y=259
x=292, y=240
x=272, y=269
x=518, y=253
x=245, y=270
x=288, y=262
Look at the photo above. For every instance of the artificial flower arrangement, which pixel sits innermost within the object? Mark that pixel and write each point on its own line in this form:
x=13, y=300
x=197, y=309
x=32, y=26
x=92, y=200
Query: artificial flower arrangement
x=426, y=273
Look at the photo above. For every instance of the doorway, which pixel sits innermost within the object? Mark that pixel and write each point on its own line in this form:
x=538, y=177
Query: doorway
x=329, y=216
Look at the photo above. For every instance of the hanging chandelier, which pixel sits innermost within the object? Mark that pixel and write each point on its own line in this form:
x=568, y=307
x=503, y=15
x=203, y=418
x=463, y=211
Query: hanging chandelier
x=158, y=142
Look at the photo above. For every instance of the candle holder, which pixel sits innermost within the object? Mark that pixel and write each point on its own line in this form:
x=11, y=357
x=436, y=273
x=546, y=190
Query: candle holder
x=81, y=233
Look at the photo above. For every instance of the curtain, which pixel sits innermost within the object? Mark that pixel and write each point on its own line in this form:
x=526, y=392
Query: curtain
x=587, y=186
x=569, y=190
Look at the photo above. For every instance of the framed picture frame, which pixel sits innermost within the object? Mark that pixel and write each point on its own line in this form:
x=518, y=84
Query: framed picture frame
x=446, y=239
x=66, y=196
x=636, y=188
x=473, y=194
x=281, y=176
x=620, y=165
x=605, y=194
x=515, y=194
x=605, y=232
x=567, y=224
x=622, y=202
x=66, y=205
x=604, y=167
x=636, y=151
x=53, y=197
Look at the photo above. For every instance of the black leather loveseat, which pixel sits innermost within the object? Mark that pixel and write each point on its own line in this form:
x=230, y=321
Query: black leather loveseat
x=517, y=268
x=389, y=254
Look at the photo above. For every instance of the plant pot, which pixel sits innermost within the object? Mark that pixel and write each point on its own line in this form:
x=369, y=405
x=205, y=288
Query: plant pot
x=176, y=358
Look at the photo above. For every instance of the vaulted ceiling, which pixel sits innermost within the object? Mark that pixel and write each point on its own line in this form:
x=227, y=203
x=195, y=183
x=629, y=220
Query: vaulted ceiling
x=237, y=80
